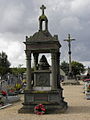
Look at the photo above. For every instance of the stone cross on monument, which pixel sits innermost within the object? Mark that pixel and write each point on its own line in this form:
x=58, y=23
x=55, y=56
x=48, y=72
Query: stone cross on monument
x=42, y=8
x=69, y=45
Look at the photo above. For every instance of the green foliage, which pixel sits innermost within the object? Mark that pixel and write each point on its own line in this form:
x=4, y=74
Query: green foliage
x=17, y=70
x=4, y=64
x=77, y=68
x=65, y=67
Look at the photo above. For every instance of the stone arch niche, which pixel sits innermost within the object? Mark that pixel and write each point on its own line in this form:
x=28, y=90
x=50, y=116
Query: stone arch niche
x=43, y=19
x=46, y=88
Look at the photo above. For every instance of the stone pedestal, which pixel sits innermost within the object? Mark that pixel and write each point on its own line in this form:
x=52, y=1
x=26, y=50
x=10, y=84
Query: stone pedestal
x=42, y=93
x=42, y=78
x=52, y=100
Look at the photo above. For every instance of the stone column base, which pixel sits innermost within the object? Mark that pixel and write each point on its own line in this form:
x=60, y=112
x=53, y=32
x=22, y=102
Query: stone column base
x=52, y=100
x=50, y=108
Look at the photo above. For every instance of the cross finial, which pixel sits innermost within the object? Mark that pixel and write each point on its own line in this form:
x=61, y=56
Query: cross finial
x=42, y=8
x=69, y=36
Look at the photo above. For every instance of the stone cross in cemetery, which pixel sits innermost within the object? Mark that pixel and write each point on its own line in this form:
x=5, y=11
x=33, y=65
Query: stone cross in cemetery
x=46, y=88
x=69, y=40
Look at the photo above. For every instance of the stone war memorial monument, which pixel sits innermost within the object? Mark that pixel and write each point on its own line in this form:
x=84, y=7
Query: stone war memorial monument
x=46, y=88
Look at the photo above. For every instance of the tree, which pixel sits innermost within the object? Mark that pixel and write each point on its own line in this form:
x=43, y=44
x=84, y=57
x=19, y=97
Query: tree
x=77, y=68
x=4, y=64
x=17, y=70
x=65, y=67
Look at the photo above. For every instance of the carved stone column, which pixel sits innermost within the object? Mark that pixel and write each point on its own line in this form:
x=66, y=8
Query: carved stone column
x=54, y=71
x=28, y=75
x=35, y=55
x=58, y=70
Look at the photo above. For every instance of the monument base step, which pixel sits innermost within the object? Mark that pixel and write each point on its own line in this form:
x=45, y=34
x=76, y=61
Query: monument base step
x=50, y=108
x=52, y=100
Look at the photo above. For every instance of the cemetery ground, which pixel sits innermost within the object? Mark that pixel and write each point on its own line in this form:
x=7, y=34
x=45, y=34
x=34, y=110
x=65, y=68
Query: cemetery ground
x=78, y=107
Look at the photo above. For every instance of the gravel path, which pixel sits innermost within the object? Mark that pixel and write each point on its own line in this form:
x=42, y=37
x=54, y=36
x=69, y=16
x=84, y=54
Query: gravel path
x=79, y=108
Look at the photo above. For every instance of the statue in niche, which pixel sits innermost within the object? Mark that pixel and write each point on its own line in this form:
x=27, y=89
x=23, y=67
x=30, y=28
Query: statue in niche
x=43, y=64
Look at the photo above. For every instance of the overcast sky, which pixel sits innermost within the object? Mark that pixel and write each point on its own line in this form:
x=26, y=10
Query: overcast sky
x=19, y=18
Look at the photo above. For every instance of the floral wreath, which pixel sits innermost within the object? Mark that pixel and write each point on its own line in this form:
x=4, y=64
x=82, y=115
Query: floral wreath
x=4, y=93
x=39, y=109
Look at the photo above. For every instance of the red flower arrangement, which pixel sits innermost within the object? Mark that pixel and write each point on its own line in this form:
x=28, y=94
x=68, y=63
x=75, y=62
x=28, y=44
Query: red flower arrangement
x=4, y=93
x=11, y=90
x=39, y=109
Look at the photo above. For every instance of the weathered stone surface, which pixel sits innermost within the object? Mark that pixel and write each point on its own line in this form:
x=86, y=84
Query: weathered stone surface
x=42, y=97
x=46, y=87
x=42, y=78
x=51, y=99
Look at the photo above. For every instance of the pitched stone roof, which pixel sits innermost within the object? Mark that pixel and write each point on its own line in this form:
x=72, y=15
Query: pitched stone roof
x=41, y=36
